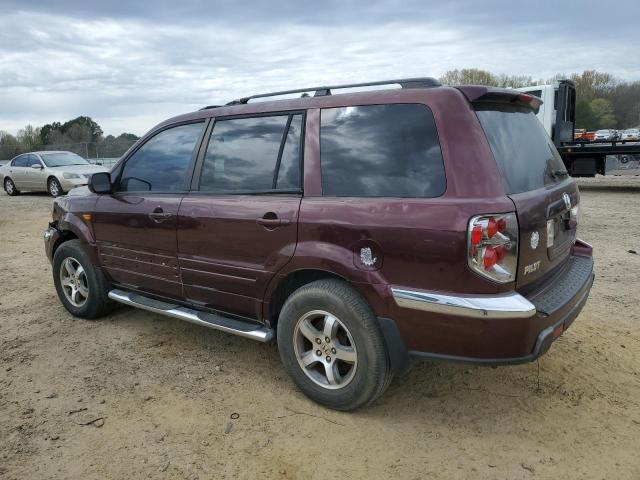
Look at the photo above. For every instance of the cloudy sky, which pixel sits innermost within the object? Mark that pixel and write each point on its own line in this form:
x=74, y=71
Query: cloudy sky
x=131, y=64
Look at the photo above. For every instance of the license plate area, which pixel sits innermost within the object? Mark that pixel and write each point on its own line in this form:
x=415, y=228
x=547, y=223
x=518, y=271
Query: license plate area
x=563, y=235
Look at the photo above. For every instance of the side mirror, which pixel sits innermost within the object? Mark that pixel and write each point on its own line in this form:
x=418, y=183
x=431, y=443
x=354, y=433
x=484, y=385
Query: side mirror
x=37, y=166
x=100, y=182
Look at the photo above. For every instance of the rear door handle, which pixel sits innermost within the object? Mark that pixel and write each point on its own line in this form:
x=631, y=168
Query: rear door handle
x=158, y=215
x=273, y=222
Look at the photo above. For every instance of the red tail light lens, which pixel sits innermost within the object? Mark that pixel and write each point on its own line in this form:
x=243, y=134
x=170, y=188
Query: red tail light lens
x=493, y=246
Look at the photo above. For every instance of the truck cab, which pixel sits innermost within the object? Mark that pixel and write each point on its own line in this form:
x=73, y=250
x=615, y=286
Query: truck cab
x=557, y=112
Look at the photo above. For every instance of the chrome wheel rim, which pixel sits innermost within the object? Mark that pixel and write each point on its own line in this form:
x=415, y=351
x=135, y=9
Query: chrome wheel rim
x=8, y=185
x=53, y=188
x=73, y=279
x=325, y=349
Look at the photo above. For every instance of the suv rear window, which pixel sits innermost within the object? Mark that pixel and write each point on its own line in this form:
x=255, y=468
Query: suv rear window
x=524, y=152
x=380, y=151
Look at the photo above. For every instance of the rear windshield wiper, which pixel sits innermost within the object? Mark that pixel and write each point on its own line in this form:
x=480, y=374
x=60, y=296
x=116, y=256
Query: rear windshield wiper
x=560, y=173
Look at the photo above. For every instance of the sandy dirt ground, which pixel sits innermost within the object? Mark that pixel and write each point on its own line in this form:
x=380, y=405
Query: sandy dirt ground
x=137, y=395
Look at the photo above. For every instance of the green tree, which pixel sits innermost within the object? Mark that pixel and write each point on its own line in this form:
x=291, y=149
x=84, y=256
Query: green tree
x=9, y=146
x=29, y=138
x=585, y=117
x=468, y=76
x=592, y=84
x=603, y=112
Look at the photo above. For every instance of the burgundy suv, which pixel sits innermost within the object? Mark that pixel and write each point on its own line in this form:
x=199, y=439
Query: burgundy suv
x=360, y=229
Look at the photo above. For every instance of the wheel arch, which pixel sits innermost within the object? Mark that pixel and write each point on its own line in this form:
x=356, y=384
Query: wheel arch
x=53, y=177
x=288, y=284
x=65, y=236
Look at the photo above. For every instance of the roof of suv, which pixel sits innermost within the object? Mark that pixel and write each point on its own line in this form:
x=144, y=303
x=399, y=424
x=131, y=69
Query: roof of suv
x=413, y=90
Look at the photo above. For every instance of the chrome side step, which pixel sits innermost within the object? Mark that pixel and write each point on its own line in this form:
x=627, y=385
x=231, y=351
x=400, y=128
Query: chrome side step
x=250, y=330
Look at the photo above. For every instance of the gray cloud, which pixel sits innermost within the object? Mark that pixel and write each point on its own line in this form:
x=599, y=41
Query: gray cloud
x=130, y=66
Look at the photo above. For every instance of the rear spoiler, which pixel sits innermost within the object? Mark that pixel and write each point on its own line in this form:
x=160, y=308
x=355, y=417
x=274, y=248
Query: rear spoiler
x=481, y=94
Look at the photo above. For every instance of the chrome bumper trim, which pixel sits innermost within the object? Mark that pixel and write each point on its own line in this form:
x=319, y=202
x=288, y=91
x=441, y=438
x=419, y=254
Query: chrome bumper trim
x=508, y=305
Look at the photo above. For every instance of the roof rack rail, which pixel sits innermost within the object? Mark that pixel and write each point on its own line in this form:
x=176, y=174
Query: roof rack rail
x=208, y=107
x=419, y=82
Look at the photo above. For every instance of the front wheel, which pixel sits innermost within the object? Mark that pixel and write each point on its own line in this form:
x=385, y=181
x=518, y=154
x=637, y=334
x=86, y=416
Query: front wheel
x=54, y=187
x=81, y=287
x=10, y=187
x=331, y=345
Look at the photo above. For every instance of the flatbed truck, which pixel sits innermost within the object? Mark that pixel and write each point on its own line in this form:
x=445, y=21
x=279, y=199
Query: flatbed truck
x=557, y=114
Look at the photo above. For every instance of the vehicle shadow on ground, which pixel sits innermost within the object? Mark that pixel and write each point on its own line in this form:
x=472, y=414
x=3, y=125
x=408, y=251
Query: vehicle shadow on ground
x=448, y=388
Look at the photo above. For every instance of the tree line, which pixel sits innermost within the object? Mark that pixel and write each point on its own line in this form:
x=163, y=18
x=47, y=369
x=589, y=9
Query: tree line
x=602, y=101
x=82, y=135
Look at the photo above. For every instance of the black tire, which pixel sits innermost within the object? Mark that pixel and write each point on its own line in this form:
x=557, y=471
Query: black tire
x=371, y=376
x=97, y=302
x=10, y=187
x=54, y=188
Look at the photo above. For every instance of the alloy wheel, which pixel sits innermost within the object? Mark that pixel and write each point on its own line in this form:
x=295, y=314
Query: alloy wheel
x=54, y=189
x=325, y=349
x=75, y=284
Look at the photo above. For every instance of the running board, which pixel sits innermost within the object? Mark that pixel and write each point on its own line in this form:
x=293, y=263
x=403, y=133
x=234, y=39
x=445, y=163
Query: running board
x=254, y=331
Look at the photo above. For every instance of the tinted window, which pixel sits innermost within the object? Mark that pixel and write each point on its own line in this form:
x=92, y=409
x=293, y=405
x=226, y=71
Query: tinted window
x=381, y=151
x=161, y=164
x=21, y=161
x=33, y=160
x=524, y=152
x=289, y=171
x=242, y=155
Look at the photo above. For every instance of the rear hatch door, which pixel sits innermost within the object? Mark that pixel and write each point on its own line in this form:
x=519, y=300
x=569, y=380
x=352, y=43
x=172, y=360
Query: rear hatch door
x=535, y=179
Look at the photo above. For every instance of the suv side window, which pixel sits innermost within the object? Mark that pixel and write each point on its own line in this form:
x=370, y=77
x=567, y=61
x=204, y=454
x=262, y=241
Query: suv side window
x=257, y=154
x=161, y=164
x=380, y=151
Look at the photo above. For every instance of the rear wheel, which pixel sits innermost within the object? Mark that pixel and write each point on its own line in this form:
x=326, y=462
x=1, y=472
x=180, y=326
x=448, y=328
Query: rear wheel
x=10, y=187
x=81, y=287
x=54, y=187
x=331, y=345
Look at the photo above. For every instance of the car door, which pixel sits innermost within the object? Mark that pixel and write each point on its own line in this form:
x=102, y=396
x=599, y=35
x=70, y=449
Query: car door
x=17, y=171
x=36, y=178
x=135, y=226
x=238, y=225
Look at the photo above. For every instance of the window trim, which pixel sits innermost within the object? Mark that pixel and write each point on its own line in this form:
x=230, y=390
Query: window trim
x=188, y=173
x=395, y=197
x=195, y=181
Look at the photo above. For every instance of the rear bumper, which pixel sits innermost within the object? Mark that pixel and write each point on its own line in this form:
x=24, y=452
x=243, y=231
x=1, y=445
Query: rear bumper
x=495, y=329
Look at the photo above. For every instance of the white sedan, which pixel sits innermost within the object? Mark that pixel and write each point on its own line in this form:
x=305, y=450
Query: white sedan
x=53, y=172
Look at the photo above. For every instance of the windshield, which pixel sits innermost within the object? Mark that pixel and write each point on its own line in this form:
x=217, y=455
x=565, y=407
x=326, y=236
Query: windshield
x=524, y=152
x=62, y=159
x=602, y=132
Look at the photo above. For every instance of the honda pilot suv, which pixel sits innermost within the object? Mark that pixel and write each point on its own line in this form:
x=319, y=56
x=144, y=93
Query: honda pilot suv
x=357, y=229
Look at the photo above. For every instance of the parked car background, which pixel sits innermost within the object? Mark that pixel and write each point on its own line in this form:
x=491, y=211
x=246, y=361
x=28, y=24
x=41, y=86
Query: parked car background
x=53, y=172
x=605, y=134
x=631, y=134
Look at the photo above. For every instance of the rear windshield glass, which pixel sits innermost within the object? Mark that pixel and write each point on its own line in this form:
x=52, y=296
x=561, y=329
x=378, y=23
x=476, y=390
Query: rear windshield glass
x=524, y=152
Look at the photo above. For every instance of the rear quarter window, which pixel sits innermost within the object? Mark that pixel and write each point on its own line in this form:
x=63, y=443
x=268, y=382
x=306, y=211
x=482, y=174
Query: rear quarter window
x=380, y=151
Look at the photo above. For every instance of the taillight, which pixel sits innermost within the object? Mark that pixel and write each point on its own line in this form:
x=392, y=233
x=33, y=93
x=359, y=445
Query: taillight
x=493, y=246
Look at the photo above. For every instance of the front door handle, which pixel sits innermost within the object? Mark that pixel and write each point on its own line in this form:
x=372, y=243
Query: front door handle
x=158, y=215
